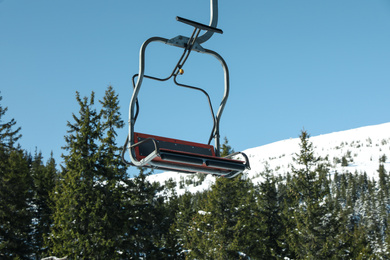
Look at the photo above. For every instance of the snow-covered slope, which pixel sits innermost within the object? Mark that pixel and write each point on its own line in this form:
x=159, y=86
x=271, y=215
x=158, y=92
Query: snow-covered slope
x=361, y=147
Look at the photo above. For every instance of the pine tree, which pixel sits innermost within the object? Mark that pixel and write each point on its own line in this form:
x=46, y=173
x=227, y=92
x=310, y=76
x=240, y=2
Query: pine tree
x=114, y=168
x=144, y=219
x=8, y=135
x=75, y=233
x=226, y=149
x=224, y=224
x=383, y=182
x=270, y=216
x=15, y=194
x=251, y=237
x=370, y=222
x=44, y=178
x=310, y=187
x=170, y=243
x=212, y=229
x=288, y=201
x=110, y=180
x=186, y=210
x=211, y=233
x=15, y=206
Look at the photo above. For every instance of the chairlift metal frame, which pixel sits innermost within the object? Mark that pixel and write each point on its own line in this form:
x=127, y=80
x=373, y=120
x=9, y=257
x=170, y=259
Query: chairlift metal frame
x=177, y=155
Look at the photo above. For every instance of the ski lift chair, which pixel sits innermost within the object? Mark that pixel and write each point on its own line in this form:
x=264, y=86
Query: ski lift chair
x=177, y=155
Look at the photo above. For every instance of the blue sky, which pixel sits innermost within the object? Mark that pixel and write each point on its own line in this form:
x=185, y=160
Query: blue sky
x=319, y=65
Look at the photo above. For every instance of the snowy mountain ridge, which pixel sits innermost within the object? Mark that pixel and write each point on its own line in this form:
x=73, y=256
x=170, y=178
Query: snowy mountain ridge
x=356, y=150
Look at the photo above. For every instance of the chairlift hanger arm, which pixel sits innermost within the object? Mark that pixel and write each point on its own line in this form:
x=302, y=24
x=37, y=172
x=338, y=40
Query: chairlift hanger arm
x=213, y=21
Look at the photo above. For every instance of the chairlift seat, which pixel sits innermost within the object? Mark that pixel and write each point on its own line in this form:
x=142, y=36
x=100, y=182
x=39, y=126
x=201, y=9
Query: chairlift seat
x=183, y=156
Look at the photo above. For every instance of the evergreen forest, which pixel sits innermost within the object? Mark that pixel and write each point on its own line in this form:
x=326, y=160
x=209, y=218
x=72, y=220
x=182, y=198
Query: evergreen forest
x=89, y=208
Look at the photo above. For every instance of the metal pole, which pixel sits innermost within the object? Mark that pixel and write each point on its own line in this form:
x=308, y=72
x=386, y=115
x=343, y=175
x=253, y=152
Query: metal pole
x=213, y=21
x=133, y=100
x=224, y=99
